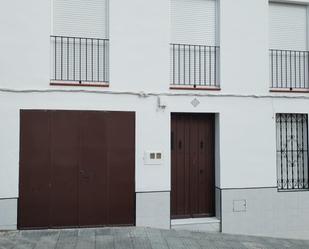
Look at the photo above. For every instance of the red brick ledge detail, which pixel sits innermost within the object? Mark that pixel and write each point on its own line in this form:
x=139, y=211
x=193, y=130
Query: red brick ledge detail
x=289, y=90
x=76, y=83
x=205, y=88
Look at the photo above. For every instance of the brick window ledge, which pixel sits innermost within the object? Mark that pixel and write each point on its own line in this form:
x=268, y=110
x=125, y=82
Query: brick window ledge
x=192, y=87
x=289, y=90
x=78, y=83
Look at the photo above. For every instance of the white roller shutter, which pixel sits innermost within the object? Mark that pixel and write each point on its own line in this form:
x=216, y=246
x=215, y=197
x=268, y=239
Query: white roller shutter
x=82, y=18
x=193, y=21
x=288, y=26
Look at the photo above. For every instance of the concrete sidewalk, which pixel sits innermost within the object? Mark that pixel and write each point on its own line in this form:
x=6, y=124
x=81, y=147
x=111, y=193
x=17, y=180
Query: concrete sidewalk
x=138, y=238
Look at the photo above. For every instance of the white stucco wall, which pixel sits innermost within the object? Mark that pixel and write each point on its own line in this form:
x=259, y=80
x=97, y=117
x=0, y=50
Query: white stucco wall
x=25, y=43
x=139, y=61
x=151, y=128
x=244, y=46
x=139, y=45
x=247, y=133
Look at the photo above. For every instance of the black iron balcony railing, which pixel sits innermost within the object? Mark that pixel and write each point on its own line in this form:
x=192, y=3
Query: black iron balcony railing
x=289, y=69
x=81, y=60
x=194, y=65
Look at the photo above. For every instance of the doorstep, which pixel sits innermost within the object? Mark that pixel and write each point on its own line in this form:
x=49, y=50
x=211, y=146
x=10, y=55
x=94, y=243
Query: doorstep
x=211, y=224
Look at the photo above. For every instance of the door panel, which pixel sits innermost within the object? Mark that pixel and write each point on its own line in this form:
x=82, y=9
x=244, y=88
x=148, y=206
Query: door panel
x=210, y=170
x=174, y=157
x=202, y=164
x=34, y=191
x=194, y=174
x=180, y=171
x=65, y=154
x=121, y=161
x=192, y=165
x=93, y=181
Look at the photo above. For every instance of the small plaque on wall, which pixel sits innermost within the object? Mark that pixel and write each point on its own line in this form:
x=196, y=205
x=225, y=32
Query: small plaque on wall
x=153, y=157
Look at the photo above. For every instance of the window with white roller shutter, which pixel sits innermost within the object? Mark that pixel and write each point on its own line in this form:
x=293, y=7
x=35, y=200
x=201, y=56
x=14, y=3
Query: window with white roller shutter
x=194, y=51
x=194, y=21
x=288, y=26
x=79, y=42
x=80, y=18
x=288, y=42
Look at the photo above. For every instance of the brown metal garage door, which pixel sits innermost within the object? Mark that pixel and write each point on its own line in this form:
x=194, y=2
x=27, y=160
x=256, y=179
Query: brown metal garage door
x=193, y=181
x=76, y=169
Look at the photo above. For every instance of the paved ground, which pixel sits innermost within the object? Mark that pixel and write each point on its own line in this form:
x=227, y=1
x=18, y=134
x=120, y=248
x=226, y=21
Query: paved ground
x=138, y=238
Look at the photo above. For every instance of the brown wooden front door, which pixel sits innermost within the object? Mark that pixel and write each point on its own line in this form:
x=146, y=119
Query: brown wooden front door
x=193, y=171
x=76, y=169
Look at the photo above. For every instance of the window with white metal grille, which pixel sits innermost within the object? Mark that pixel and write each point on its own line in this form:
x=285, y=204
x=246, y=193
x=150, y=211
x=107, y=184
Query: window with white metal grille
x=292, y=151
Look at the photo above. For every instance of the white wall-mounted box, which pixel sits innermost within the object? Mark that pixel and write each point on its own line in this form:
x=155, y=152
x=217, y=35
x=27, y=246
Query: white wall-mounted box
x=239, y=206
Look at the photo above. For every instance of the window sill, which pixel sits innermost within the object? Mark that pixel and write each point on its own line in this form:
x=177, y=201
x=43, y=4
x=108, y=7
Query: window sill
x=192, y=87
x=77, y=83
x=290, y=90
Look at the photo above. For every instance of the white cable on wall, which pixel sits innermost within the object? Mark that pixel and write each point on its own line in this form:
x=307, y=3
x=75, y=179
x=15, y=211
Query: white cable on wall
x=154, y=94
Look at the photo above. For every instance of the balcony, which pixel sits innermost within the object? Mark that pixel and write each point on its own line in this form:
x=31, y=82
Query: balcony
x=194, y=67
x=79, y=61
x=289, y=70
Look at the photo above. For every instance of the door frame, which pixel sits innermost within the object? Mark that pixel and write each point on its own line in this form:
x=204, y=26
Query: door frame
x=19, y=170
x=216, y=164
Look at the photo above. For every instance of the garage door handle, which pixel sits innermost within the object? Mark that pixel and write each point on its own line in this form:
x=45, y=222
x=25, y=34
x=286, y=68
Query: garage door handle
x=84, y=175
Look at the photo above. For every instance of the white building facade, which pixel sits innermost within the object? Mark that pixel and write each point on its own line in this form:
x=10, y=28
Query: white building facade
x=240, y=66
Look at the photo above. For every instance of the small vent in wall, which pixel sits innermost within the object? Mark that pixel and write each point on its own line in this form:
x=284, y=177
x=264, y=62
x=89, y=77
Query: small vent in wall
x=239, y=206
